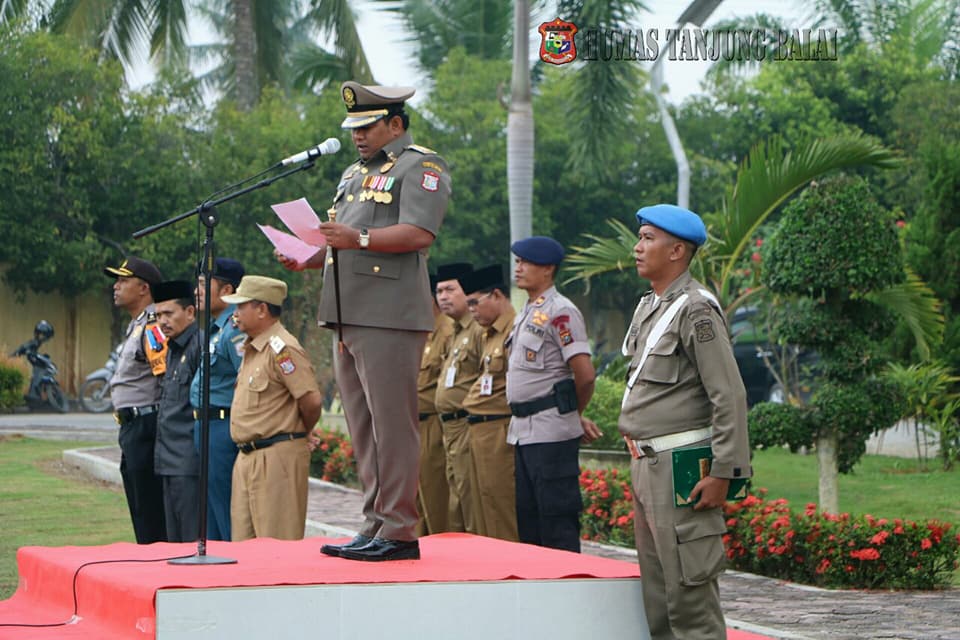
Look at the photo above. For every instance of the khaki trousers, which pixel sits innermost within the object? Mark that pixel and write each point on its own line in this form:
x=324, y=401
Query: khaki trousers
x=377, y=377
x=494, y=483
x=680, y=552
x=269, y=498
x=456, y=444
x=433, y=497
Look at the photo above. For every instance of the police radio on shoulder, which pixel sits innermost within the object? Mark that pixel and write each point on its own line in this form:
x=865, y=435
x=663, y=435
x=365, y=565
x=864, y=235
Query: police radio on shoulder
x=325, y=148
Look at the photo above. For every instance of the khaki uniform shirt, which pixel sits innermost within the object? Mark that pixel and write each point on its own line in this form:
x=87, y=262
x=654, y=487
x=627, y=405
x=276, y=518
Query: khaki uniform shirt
x=490, y=398
x=434, y=353
x=461, y=367
x=402, y=184
x=547, y=333
x=690, y=379
x=274, y=374
x=133, y=383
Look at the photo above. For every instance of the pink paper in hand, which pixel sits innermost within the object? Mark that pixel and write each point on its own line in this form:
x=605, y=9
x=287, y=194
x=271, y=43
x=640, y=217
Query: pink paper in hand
x=288, y=245
x=302, y=220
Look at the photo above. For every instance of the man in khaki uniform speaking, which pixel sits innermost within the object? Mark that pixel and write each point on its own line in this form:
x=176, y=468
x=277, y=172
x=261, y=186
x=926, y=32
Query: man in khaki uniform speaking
x=276, y=405
x=549, y=383
x=683, y=390
x=433, y=495
x=494, y=488
x=388, y=209
x=459, y=371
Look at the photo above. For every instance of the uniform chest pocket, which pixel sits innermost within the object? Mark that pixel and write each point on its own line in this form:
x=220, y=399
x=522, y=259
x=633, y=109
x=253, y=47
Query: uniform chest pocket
x=495, y=363
x=528, y=350
x=663, y=363
x=258, y=385
x=376, y=265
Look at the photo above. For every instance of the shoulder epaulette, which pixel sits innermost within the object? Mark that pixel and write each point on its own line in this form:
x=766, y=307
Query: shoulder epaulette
x=420, y=149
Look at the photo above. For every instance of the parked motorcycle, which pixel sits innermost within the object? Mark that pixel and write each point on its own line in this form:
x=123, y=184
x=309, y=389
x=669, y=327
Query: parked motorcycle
x=95, y=390
x=44, y=388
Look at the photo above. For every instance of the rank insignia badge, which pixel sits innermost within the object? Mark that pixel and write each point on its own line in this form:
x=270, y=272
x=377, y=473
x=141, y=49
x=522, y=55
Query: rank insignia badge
x=531, y=355
x=539, y=318
x=431, y=181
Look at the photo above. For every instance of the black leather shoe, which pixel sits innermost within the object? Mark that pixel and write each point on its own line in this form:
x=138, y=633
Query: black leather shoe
x=381, y=549
x=356, y=543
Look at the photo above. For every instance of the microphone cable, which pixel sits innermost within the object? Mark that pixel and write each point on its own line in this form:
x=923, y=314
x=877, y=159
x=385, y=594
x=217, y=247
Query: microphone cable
x=76, y=574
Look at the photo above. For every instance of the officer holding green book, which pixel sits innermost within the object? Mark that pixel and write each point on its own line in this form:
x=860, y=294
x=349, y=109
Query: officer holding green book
x=683, y=392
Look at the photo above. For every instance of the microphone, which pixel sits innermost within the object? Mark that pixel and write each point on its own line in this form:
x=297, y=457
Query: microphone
x=325, y=148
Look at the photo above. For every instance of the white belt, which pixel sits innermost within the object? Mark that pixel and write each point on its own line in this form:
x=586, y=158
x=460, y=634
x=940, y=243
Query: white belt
x=664, y=443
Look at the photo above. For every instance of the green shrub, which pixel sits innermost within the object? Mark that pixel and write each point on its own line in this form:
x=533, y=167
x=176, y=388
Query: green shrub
x=607, y=507
x=838, y=551
x=604, y=409
x=12, y=385
x=333, y=458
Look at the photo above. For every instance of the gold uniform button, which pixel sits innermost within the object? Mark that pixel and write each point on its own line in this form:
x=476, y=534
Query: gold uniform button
x=364, y=170
x=350, y=198
x=376, y=268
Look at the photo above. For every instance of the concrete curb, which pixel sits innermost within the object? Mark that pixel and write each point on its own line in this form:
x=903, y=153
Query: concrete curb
x=93, y=465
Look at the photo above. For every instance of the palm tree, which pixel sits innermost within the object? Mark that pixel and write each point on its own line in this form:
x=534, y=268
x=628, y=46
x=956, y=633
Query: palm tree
x=520, y=130
x=766, y=178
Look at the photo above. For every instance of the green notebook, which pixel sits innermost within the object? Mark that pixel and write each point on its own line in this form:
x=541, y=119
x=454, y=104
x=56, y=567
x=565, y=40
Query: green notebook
x=692, y=464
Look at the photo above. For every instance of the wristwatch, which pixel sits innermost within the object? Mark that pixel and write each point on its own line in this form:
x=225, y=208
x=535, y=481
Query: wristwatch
x=364, y=239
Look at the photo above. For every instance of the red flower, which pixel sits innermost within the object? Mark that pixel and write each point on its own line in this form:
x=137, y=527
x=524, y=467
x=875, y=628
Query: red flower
x=926, y=543
x=756, y=257
x=865, y=554
x=901, y=224
x=759, y=242
x=880, y=538
x=823, y=566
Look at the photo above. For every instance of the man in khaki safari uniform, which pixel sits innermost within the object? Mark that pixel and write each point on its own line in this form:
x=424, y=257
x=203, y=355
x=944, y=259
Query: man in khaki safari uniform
x=386, y=212
x=276, y=405
x=460, y=369
x=683, y=390
x=494, y=488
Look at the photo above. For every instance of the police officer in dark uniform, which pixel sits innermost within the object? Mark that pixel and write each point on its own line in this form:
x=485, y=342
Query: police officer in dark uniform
x=135, y=391
x=385, y=214
x=549, y=384
x=175, y=458
x=226, y=353
x=683, y=390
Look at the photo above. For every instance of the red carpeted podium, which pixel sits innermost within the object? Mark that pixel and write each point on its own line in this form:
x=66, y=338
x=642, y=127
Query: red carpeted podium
x=464, y=588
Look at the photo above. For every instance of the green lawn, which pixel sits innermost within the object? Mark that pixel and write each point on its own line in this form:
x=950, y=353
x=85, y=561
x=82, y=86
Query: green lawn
x=41, y=506
x=883, y=486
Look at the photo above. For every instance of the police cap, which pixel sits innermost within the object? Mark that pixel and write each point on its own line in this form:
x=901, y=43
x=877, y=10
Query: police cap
x=683, y=223
x=539, y=250
x=134, y=267
x=368, y=103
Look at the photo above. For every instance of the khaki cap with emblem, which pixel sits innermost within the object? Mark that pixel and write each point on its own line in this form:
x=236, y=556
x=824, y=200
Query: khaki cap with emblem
x=368, y=103
x=259, y=288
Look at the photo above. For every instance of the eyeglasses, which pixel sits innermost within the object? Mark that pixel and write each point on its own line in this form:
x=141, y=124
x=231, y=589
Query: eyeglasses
x=474, y=302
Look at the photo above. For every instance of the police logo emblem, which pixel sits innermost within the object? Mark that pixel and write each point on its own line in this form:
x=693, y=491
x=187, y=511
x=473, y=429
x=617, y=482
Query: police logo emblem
x=531, y=355
x=349, y=98
x=704, y=330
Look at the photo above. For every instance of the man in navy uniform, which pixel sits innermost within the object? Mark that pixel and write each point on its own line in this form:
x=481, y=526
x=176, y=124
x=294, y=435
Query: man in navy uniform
x=549, y=384
x=226, y=352
x=683, y=390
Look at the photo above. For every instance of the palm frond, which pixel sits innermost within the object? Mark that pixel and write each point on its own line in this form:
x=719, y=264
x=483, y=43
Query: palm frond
x=916, y=304
x=603, y=254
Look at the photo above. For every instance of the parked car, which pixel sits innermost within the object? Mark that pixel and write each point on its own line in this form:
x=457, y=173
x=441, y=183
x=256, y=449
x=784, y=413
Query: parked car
x=752, y=350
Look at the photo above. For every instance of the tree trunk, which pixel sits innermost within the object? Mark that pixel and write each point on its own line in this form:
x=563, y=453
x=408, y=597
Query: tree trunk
x=520, y=131
x=827, y=462
x=245, y=55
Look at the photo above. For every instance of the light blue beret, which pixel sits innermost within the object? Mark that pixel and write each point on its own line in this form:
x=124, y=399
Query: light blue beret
x=683, y=223
x=538, y=250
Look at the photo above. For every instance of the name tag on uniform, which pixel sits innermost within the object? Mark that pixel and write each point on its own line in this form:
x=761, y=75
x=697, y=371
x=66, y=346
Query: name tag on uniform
x=451, y=378
x=486, y=385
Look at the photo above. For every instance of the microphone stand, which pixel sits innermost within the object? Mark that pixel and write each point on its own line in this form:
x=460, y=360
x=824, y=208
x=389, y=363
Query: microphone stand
x=209, y=217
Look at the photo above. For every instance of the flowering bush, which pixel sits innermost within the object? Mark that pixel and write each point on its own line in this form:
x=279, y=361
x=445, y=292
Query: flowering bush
x=607, y=506
x=813, y=547
x=333, y=459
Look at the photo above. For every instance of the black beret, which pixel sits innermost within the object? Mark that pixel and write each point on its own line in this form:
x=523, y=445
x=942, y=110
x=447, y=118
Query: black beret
x=539, y=250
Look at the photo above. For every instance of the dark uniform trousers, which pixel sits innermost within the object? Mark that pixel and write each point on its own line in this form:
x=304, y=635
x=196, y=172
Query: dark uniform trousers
x=143, y=487
x=181, y=507
x=680, y=552
x=548, y=494
x=223, y=453
x=377, y=376
x=433, y=494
